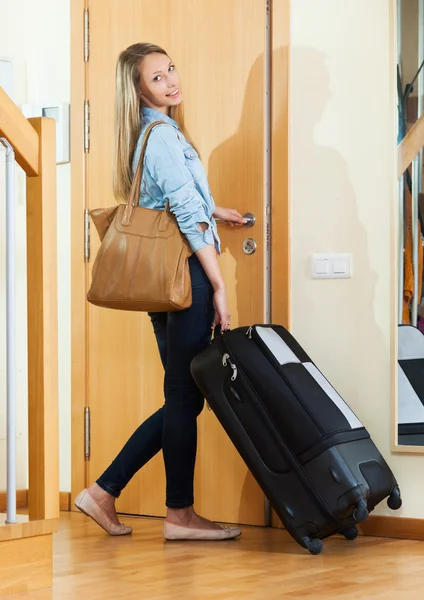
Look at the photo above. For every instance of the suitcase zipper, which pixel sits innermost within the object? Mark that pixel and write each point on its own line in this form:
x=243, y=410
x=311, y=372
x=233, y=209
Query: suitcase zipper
x=225, y=361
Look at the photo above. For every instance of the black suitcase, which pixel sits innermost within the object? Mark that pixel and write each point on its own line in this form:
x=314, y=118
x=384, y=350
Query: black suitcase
x=308, y=451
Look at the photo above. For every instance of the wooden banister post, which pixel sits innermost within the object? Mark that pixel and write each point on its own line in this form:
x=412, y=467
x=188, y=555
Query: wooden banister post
x=43, y=497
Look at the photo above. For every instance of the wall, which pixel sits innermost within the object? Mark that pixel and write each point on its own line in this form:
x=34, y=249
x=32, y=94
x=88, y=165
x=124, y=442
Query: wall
x=36, y=36
x=343, y=135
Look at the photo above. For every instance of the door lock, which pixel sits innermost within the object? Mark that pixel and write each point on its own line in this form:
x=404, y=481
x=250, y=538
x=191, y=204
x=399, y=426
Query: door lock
x=249, y=246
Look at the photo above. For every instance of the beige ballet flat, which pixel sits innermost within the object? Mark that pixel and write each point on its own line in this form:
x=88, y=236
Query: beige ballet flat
x=172, y=531
x=91, y=508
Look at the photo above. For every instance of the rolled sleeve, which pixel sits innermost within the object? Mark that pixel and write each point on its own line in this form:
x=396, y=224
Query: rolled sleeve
x=165, y=161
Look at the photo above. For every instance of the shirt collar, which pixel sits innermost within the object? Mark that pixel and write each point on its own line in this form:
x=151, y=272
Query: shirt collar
x=150, y=115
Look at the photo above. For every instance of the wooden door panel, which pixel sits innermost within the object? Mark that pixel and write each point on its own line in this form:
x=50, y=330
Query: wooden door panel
x=218, y=47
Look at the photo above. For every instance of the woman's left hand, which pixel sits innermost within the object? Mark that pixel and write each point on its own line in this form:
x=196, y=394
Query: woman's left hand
x=230, y=215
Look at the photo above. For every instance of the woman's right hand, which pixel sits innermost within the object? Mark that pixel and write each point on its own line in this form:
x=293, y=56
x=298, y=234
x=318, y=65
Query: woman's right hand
x=222, y=310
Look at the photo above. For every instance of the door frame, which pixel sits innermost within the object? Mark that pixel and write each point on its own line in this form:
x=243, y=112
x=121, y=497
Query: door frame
x=280, y=225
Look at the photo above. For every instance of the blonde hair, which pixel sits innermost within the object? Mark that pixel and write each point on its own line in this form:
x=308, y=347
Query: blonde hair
x=128, y=119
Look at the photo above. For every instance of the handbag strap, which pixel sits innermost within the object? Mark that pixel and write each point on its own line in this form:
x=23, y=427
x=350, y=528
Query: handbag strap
x=136, y=182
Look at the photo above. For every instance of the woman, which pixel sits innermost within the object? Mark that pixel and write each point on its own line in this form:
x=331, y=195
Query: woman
x=148, y=91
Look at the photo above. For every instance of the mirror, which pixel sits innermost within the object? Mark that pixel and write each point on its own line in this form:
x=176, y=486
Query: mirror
x=410, y=95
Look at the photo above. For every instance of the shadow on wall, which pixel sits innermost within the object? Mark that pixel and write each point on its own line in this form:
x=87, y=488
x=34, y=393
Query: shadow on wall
x=335, y=319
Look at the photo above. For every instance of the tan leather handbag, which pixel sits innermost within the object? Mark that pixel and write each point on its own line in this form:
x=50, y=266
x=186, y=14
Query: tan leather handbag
x=142, y=262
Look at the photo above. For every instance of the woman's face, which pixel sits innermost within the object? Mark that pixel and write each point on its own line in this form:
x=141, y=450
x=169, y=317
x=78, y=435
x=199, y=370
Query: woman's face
x=159, y=83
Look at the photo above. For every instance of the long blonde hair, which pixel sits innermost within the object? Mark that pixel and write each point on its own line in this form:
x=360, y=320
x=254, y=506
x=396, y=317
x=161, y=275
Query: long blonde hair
x=128, y=115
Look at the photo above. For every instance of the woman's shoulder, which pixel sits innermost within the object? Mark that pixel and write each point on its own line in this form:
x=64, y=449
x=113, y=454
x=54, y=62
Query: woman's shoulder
x=163, y=132
x=162, y=137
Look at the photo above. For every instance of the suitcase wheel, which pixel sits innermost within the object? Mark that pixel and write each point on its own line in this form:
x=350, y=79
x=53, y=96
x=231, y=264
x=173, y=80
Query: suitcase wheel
x=394, y=501
x=360, y=514
x=351, y=533
x=314, y=545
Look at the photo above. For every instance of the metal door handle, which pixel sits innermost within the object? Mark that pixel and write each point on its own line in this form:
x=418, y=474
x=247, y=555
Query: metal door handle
x=250, y=217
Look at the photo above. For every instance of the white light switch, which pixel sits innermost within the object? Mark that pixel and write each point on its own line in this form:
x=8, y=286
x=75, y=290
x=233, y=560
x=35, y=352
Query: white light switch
x=331, y=266
x=321, y=266
x=340, y=266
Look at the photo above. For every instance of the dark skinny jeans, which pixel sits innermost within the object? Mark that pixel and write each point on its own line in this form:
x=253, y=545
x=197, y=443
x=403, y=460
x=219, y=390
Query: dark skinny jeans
x=173, y=428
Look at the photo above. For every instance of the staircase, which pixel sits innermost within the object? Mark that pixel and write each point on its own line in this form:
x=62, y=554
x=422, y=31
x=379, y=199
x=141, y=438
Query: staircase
x=26, y=546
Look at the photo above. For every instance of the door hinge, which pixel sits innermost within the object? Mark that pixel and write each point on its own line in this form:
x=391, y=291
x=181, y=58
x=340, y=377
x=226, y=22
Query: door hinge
x=86, y=36
x=87, y=432
x=86, y=235
x=87, y=126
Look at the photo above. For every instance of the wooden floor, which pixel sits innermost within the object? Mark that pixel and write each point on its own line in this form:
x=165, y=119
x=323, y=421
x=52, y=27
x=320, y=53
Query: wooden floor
x=264, y=564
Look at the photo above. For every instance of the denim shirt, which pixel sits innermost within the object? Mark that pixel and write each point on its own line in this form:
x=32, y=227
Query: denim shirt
x=173, y=173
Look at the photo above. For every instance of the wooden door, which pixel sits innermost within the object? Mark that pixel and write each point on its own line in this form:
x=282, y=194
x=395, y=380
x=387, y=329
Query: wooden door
x=219, y=49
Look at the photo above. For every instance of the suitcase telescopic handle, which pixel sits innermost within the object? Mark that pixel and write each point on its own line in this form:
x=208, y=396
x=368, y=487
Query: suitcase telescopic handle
x=218, y=332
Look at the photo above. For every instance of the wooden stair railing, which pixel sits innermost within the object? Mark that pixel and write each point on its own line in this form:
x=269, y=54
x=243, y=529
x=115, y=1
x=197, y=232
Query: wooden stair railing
x=26, y=547
x=20, y=134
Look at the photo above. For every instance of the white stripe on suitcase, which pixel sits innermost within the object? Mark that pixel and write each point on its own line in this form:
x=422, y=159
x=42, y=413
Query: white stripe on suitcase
x=352, y=419
x=277, y=346
x=285, y=356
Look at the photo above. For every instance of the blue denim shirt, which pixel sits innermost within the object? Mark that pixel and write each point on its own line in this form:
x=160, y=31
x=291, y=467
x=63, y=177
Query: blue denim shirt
x=173, y=172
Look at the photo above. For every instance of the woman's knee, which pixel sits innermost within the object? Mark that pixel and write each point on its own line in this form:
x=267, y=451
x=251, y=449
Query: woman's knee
x=183, y=392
